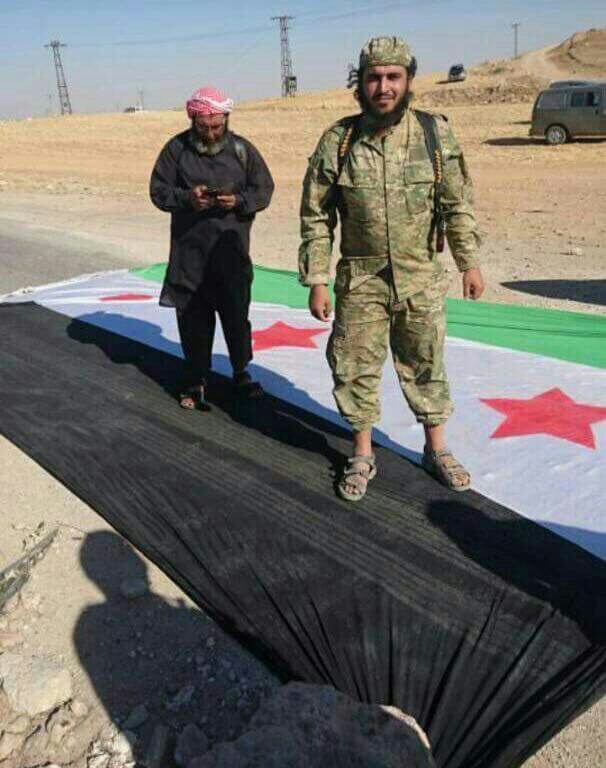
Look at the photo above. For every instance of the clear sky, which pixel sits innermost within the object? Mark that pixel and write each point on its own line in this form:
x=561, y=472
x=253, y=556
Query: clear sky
x=169, y=47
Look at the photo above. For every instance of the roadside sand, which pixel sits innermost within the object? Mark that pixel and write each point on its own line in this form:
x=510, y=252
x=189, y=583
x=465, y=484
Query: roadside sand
x=540, y=209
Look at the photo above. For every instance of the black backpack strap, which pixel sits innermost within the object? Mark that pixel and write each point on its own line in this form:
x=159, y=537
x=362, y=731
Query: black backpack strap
x=241, y=151
x=434, y=150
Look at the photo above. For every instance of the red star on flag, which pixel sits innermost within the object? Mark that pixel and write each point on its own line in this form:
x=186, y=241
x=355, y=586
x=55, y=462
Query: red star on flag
x=127, y=297
x=282, y=335
x=550, y=413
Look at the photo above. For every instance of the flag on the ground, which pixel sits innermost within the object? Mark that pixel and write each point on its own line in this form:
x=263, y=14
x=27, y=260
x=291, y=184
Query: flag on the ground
x=529, y=386
x=488, y=628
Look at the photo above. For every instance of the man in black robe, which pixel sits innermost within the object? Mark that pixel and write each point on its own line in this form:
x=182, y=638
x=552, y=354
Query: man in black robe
x=212, y=182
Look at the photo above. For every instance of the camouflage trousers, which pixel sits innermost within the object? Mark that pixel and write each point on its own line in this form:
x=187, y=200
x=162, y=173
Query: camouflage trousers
x=366, y=318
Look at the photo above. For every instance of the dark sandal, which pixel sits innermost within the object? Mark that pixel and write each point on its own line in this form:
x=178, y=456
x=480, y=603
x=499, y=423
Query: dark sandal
x=446, y=469
x=359, y=471
x=246, y=388
x=193, y=399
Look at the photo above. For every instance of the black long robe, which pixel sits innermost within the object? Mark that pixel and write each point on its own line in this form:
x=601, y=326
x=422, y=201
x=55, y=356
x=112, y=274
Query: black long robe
x=196, y=237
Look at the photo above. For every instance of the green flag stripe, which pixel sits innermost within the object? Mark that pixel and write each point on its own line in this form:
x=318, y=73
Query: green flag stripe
x=572, y=336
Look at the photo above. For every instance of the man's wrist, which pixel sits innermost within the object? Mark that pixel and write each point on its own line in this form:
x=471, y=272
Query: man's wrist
x=311, y=281
x=465, y=263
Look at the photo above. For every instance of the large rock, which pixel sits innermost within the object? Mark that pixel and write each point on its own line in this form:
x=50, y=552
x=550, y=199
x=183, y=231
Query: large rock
x=191, y=743
x=34, y=684
x=308, y=726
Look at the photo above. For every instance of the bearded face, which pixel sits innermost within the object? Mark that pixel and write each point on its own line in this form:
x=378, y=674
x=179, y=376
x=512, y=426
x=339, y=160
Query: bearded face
x=210, y=128
x=385, y=92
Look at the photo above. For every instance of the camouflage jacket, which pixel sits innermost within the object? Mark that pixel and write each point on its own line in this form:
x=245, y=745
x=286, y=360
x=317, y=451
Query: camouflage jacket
x=384, y=196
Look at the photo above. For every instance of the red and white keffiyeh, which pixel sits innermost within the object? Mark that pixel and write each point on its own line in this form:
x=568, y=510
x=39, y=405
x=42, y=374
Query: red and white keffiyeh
x=209, y=101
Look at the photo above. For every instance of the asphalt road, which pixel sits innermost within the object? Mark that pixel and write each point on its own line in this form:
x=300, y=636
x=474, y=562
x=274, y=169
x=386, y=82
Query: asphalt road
x=32, y=256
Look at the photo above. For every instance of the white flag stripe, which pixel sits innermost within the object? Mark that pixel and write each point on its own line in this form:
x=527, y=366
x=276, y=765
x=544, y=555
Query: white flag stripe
x=553, y=481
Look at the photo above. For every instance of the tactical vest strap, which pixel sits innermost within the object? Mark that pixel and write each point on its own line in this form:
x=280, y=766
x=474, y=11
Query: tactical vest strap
x=434, y=150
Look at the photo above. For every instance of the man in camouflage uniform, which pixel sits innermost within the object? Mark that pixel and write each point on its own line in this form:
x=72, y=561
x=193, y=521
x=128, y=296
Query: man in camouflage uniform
x=389, y=283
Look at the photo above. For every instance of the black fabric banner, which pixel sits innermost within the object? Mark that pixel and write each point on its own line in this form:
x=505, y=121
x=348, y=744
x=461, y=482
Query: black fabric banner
x=487, y=628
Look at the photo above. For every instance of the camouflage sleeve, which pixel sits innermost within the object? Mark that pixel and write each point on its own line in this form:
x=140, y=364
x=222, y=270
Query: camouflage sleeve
x=318, y=212
x=457, y=203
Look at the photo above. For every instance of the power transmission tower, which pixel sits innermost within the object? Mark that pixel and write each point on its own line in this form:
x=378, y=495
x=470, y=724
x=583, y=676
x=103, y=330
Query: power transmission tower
x=66, y=107
x=516, y=26
x=141, y=94
x=289, y=81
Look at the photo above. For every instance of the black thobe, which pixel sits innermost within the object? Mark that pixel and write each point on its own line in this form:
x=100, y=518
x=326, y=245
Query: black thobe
x=209, y=268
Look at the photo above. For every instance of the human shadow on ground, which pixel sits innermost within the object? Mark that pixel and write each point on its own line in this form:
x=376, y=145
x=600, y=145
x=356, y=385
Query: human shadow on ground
x=163, y=654
x=587, y=291
x=287, y=413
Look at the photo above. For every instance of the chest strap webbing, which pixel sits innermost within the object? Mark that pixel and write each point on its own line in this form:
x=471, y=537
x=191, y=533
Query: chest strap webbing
x=434, y=150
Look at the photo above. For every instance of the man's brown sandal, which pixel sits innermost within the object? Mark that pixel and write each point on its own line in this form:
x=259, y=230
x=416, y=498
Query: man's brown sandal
x=446, y=469
x=193, y=399
x=359, y=471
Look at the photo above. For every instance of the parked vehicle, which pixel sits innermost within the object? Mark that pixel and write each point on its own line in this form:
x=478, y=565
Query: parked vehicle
x=456, y=73
x=562, y=114
x=566, y=83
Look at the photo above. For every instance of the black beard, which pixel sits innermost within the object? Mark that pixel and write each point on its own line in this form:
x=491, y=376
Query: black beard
x=380, y=120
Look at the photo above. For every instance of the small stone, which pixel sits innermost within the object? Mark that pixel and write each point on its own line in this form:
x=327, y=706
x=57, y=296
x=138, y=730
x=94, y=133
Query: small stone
x=132, y=589
x=34, y=684
x=122, y=745
x=58, y=725
x=9, y=742
x=211, y=642
x=182, y=698
x=232, y=676
x=191, y=743
x=98, y=761
x=136, y=718
x=18, y=725
x=157, y=748
x=78, y=708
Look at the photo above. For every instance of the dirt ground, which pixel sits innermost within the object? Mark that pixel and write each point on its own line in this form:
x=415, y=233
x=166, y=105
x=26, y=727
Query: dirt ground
x=83, y=179
x=539, y=208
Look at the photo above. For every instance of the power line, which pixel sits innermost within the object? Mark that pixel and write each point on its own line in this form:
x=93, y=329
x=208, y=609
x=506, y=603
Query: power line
x=289, y=81
x=66, y=107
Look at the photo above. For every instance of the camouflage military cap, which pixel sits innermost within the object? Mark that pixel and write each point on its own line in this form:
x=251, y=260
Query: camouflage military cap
x=383, y=51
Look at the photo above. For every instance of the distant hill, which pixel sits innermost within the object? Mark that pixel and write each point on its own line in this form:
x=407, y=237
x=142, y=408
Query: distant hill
x=520, y=79
x=501, y=81
x=583, y=53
